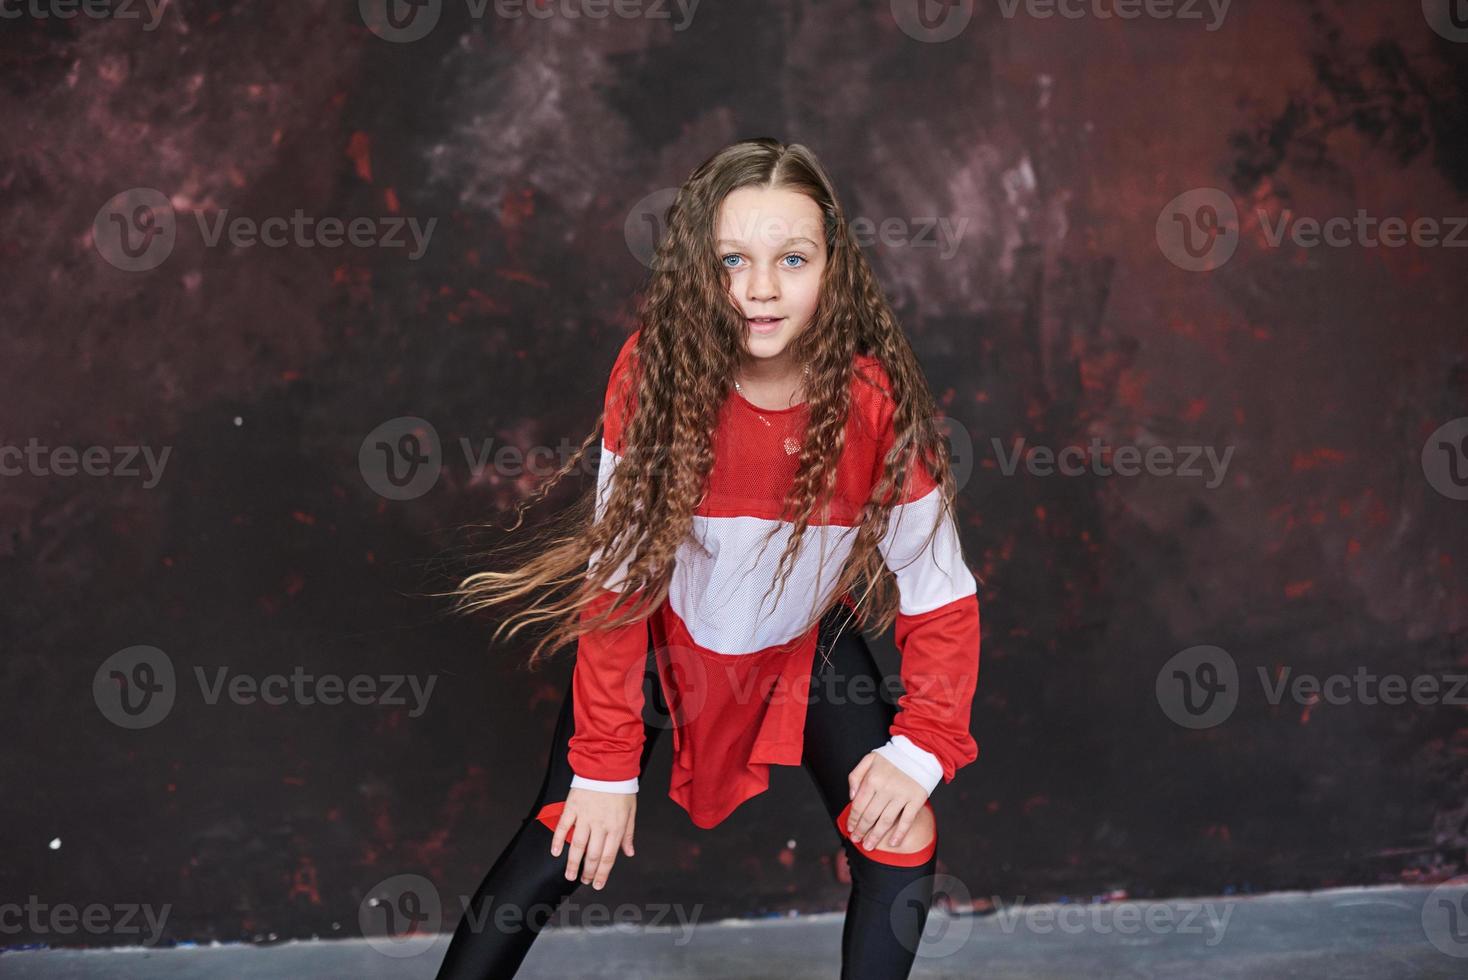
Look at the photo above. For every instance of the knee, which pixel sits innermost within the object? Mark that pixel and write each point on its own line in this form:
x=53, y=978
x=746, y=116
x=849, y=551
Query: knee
x=918, y=844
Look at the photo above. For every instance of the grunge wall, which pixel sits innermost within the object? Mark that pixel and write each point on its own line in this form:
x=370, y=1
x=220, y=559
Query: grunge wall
x=1104, y=233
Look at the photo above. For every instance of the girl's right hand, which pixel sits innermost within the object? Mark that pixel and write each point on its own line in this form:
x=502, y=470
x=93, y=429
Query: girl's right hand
x=597, y=824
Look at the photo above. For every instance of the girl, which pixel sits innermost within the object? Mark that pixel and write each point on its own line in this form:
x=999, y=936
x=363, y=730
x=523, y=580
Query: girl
x=768, y=395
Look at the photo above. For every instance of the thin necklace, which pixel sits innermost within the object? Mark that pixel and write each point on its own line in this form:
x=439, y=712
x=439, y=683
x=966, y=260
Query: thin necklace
x=791, y=446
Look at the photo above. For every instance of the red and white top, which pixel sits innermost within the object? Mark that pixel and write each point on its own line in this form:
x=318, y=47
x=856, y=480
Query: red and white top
x=735, y=671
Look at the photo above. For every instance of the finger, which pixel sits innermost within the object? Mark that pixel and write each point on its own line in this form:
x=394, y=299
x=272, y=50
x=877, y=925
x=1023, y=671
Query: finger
x=859, y=806
x=563, y=827
x=627, y=841
x=608, y=858
x=853, y=781
x=578, y=848
x=593, y=854
x=871, y=815
x=909, y=814
x=883, y=826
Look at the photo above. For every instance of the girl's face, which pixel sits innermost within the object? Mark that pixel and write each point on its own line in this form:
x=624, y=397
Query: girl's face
x=773, y=245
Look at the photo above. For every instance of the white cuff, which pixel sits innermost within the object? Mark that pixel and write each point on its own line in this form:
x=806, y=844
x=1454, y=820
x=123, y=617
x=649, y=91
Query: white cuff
x=918, y=763
x=605, y=785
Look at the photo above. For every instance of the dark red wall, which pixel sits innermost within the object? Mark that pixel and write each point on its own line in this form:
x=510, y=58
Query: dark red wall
x=1058, y=316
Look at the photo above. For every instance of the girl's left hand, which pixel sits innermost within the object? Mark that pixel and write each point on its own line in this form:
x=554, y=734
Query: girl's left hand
x=882, y=796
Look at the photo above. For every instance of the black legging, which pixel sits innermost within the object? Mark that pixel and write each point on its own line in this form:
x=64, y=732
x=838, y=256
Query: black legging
x=880, y=938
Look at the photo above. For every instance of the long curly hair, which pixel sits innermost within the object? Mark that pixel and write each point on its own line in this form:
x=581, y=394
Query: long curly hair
x=692, y=338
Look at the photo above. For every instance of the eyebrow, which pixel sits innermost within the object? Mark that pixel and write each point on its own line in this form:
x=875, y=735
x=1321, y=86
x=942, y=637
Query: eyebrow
x=798, y=238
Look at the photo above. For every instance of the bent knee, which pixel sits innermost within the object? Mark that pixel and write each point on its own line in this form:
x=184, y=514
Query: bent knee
x=917, y=845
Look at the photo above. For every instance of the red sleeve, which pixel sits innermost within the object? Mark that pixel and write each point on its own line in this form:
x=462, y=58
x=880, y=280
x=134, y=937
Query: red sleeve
x=937, y=625
x=607, y=700
x=607, y=680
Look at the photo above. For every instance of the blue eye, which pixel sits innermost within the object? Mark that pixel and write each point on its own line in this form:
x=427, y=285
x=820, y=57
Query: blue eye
x=793, y=255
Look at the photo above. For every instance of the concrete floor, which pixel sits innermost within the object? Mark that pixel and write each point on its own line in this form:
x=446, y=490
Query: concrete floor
x=1375, y=933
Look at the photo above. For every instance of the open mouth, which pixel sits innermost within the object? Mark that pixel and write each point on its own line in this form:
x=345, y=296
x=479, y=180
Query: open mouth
x=765, y=324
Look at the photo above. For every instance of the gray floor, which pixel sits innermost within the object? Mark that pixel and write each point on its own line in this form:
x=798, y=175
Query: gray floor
x=1376, y=933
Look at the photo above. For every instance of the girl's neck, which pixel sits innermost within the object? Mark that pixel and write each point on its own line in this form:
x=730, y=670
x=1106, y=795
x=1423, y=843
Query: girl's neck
x=773, y=383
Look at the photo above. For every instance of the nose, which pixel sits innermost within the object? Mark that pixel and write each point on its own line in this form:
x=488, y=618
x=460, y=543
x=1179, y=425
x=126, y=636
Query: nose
x=762, y=285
